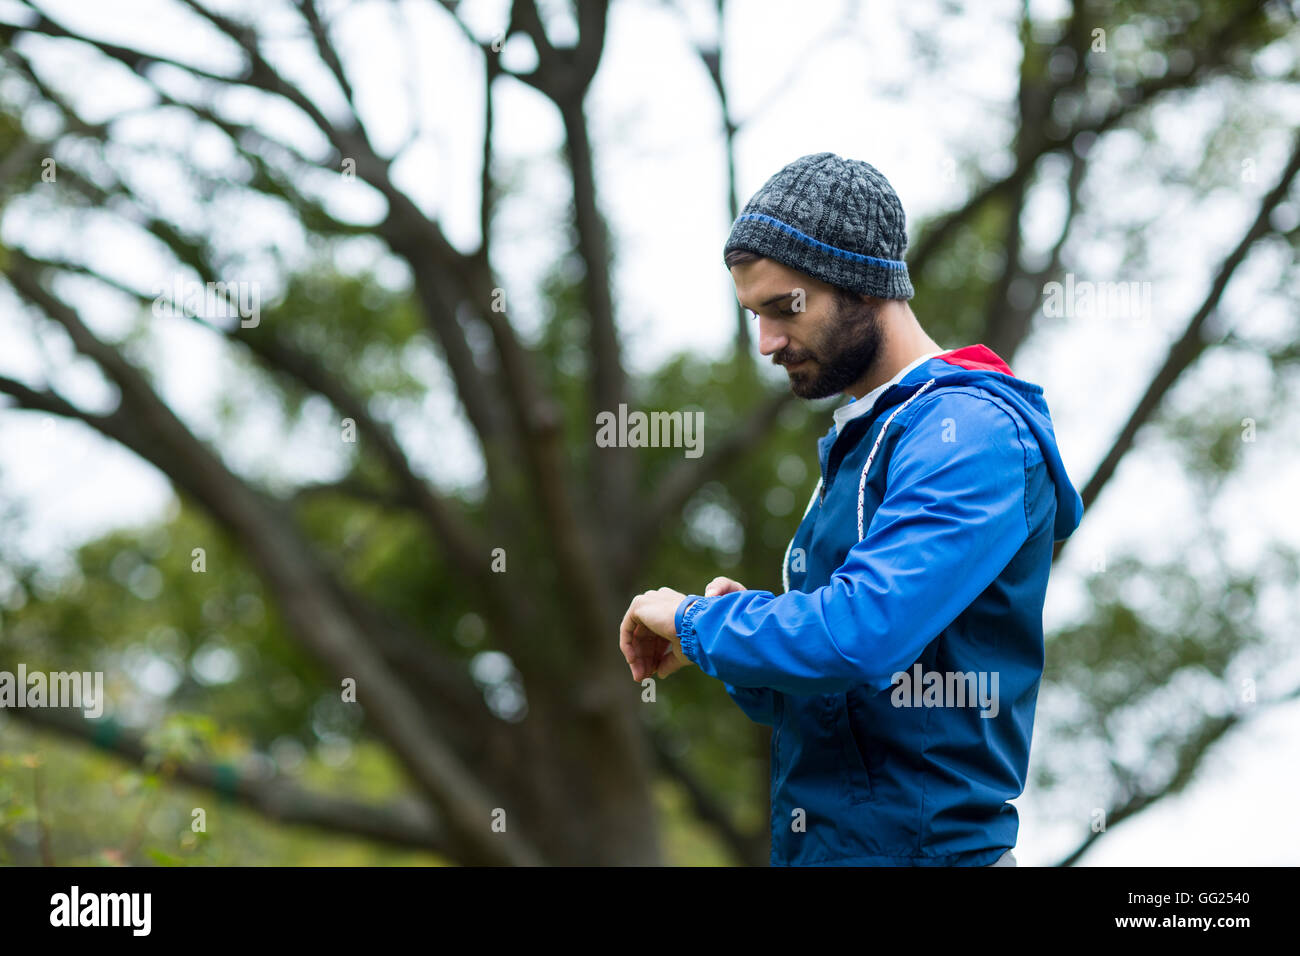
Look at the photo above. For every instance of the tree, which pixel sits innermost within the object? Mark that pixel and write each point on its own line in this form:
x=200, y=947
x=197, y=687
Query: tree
x=546, y=549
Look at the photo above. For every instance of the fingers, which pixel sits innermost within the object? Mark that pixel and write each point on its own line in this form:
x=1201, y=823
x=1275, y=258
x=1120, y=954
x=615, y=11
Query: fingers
x=663, y=649
x=646, y=650
x=631, y=640
x=722, y=585
x=653, y=645
x=673, y=661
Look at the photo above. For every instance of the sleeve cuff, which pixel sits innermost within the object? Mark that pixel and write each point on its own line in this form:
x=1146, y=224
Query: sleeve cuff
x=684, y=621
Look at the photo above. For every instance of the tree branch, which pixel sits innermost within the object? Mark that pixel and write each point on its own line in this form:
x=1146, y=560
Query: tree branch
x=686, y=478
x=404, y=824
x=1209, y=732
x=328, y=53
x=1204, y=63
x=301, y=585
x=1193, y=342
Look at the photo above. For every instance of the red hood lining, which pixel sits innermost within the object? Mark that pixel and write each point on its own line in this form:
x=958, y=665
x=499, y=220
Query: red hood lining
x=977, y=357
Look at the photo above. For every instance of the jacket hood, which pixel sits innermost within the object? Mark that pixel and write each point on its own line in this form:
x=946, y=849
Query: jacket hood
x=980, y=366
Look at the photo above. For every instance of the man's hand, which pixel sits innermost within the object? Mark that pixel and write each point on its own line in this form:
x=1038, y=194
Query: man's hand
x=648, y=635
x=671, y=657
x=721, y=585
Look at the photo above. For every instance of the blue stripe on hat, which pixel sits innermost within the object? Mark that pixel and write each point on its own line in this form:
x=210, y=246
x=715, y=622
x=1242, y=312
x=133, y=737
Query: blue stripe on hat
x=833, y=250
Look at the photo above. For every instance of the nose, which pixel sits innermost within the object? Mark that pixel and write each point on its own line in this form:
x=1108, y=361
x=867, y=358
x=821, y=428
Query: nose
x=771, y=338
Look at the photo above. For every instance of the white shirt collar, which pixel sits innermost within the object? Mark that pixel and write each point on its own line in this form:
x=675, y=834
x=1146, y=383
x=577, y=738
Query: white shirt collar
x=863, y=405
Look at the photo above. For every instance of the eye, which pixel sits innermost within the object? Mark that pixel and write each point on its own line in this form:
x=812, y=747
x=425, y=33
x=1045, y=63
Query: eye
x=785, y=311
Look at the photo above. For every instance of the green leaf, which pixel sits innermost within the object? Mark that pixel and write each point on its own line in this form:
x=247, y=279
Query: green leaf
x=164, y=859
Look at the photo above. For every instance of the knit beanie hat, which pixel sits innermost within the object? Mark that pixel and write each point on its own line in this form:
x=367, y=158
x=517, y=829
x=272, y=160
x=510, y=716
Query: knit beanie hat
x=835, y=219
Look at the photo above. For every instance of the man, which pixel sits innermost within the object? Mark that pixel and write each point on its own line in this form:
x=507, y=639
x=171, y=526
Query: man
x=900, y=667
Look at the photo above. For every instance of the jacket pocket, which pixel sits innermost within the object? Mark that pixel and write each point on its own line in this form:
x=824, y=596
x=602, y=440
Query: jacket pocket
x=857, y=779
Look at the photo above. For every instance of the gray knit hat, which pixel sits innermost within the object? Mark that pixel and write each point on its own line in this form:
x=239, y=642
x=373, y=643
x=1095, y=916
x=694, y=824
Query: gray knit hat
x=832, y=218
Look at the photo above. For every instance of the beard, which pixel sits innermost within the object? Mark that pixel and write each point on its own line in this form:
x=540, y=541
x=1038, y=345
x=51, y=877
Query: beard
x=844, y=350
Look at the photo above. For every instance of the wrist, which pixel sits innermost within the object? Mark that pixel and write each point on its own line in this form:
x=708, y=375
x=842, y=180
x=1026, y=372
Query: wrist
x=679, y=617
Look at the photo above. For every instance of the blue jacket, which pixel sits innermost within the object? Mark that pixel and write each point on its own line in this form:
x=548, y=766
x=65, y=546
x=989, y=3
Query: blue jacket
x=900, y=668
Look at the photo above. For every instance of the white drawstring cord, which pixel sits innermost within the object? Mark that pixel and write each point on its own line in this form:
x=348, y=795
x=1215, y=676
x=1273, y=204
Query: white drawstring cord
x=862, y=486
x=862, y=482
x=785, y=562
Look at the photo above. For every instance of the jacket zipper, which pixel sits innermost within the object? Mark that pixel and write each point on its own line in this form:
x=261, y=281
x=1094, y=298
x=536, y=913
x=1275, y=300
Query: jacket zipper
x=780, y=722
x=831, y=464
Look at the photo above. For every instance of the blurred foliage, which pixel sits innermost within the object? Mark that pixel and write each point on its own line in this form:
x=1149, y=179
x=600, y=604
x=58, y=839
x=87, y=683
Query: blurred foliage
x=203, y=658
x=205, y=655
x=99, y=811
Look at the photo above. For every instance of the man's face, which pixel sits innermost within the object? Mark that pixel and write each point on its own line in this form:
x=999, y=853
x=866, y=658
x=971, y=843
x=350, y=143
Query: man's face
x=824, y=348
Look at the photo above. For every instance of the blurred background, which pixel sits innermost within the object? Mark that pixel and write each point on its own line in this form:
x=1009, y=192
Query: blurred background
x=307, y=308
